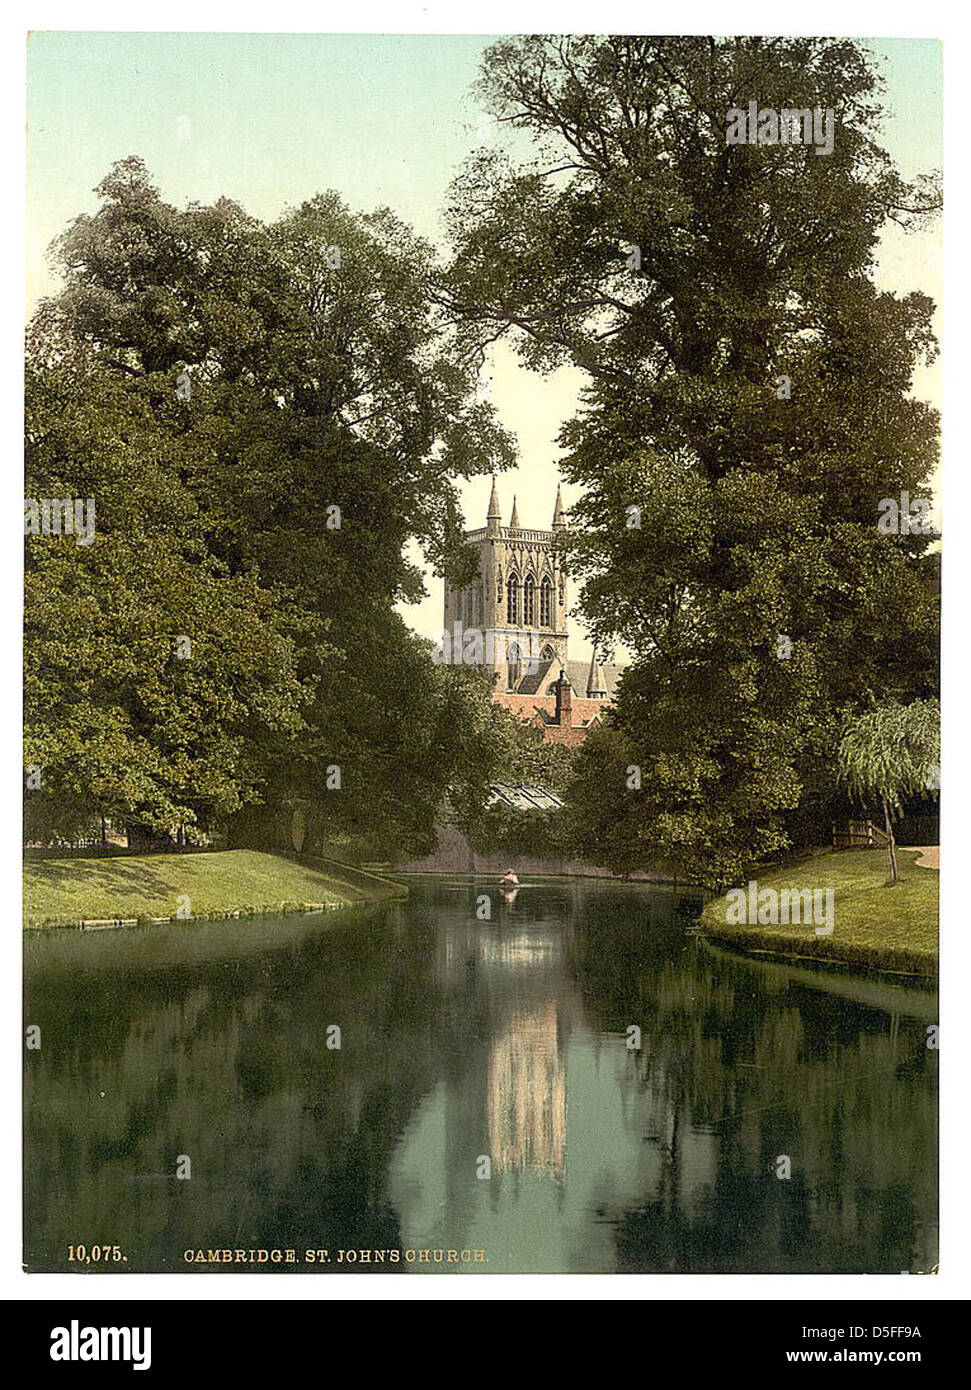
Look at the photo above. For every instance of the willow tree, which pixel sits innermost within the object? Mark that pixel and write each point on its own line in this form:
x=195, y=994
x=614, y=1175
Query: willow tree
x=889, y=754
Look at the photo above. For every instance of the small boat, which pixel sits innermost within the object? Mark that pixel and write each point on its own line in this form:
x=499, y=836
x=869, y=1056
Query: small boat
x=509, y=880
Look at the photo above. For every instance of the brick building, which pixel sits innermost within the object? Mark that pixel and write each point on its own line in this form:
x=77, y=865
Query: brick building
x=519, y=601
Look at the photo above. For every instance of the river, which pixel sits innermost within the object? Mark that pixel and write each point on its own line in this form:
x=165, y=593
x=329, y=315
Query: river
x=487, y=1097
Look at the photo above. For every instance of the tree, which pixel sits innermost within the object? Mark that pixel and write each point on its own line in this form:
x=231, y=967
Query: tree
x=891, y=753
x=747, y=405
x=511, y=751
x=151, y=670
x=271, y=420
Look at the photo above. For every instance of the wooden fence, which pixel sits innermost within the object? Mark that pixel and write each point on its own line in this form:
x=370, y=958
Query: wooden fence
x=858, y=834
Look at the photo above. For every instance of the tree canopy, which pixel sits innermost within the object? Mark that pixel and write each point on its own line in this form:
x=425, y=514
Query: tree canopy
x=272, y=419
x=747, y=407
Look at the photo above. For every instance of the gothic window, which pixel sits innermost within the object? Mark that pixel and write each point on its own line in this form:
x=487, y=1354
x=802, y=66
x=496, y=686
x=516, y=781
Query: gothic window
x=529, y=606
x=547, y=655
x=546, y=602
x=512, y=600
x=499, y=588
x=513, y=662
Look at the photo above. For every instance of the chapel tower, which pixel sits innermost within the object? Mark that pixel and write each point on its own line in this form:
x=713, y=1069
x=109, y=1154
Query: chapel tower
x=520, y=592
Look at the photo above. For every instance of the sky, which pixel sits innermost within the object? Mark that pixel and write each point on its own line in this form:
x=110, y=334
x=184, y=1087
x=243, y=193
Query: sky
x=271, y=119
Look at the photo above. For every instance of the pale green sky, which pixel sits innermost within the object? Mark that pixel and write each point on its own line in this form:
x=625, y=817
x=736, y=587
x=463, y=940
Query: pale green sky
x=384, y=119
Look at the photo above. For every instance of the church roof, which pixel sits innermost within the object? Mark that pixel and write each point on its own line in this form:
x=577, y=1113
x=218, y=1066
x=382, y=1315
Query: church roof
x=535, y=682
x=577, y=673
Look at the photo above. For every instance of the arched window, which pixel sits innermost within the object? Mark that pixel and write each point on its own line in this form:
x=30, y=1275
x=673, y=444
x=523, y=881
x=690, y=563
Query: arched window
x=546, y=602
x=547, y=655
x=529, y=605
x=512, y=600
x=513, y=662
x=499, y=587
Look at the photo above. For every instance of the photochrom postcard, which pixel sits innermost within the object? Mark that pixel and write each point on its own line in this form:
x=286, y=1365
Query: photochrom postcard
x=482, y=548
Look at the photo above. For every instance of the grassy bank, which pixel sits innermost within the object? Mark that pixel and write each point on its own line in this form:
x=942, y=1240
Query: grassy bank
x=153, y=887
x=876, y=925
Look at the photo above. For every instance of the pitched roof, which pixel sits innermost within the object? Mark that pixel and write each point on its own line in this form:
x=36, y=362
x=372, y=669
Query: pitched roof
x=523, y=797
x=577, y=673
x=535, y=682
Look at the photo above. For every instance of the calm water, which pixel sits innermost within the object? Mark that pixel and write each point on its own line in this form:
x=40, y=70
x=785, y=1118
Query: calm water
x=463, y=1039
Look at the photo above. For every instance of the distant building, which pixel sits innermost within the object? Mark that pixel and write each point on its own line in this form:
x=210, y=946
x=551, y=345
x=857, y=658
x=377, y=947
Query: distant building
x=520, y=599
x=522, y=797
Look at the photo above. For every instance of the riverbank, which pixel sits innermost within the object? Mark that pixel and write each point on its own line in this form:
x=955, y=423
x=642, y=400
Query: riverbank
x=876, y=925
x=163, y=887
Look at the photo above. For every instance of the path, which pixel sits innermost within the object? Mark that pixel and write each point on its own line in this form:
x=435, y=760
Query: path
x=928, y=856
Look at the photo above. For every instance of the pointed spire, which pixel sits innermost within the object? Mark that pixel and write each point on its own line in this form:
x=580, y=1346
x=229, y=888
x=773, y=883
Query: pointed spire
x=514, y=519
x=494, y=515
x=596, y=685
x=559, y=519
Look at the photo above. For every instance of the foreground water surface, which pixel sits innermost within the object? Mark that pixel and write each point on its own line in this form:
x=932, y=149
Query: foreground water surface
x=484, y=1097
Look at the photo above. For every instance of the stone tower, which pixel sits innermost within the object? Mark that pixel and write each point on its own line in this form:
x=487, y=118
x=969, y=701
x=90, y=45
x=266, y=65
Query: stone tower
x=520, y=593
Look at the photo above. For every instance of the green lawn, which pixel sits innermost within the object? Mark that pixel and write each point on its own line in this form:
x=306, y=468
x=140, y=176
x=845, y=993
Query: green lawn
x=64, y=892
x=876, y=925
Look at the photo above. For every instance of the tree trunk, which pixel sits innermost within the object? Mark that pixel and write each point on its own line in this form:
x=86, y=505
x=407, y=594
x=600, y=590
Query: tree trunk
x=891, y=844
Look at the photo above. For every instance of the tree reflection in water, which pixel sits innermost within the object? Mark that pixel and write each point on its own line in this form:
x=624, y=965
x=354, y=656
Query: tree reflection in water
x=462, y=1039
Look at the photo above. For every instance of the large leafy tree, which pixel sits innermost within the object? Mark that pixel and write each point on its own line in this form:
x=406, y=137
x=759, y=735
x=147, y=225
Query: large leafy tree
x=151, y=669
x=271, y=419
x=747, y=408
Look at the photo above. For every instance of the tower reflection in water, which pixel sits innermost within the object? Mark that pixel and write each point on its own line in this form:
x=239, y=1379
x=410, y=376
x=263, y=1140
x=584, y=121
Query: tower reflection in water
x=519, y=1006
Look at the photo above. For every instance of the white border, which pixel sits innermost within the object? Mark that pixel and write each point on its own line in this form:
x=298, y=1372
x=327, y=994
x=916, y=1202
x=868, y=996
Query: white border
x=894, y=19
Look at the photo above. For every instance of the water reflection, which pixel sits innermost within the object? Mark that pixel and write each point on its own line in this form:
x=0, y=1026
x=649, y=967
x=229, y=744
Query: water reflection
x=463, y=1040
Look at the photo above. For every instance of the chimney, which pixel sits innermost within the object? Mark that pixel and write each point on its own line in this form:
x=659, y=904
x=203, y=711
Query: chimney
x=564, y=701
